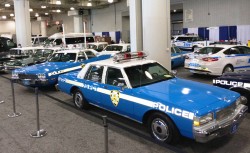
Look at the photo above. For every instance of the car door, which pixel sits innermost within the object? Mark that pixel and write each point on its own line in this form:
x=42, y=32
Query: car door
x=93, y=85
x=244, y=57
x=115, y=93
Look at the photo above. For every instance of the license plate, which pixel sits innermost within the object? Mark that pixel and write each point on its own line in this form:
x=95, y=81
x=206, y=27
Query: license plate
x=234, y=128
x=196, y=65
x=26, y=82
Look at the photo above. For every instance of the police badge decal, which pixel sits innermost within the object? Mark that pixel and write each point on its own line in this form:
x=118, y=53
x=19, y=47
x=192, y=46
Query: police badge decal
x=115, y=96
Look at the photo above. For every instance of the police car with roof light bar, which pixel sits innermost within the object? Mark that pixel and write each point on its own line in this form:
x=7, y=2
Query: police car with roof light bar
x=47, y=73
x=236, y=81
x=218, y=59
x=144, y=91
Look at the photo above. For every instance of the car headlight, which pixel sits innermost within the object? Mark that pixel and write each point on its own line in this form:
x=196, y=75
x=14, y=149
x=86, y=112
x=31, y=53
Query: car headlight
x=14, y=75
x=198, y=121
x=41, y=76
x=241, y=100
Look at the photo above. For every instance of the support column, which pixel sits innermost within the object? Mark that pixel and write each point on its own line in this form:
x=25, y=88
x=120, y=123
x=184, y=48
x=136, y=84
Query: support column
x=78, y=24
x=23, y=24
x=135, y=9
x=156, y=30
x=43, y=28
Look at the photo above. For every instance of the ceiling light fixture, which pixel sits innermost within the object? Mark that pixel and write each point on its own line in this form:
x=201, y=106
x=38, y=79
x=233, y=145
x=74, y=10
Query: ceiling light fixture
x=89, y=4
x=11, y=14
x=58, y=11
x=174, y=10
x=110, y=1
x=7, y=5
x=46, y=13
x=43, y=6
x=4, y=17
x=31, y=10
x=72, y=8
x=58, y=2
x=37, y=15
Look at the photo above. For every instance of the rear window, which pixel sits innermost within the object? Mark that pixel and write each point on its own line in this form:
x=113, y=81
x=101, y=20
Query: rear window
x=114, y=48
x=209, y=50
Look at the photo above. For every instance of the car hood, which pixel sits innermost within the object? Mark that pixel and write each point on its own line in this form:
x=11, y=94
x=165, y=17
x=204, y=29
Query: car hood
x=189, y=95
x=47, y=67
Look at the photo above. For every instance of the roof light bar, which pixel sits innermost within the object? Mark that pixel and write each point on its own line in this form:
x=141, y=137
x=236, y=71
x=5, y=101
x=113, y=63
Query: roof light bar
x=127, y=56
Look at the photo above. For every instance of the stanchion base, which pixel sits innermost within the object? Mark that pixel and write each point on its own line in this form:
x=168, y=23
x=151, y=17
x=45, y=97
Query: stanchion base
x=14, y=115
x=1, y=101
x=38, y=134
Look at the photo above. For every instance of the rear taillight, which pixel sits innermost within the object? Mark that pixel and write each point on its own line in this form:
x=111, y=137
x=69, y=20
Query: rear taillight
x=210, y=59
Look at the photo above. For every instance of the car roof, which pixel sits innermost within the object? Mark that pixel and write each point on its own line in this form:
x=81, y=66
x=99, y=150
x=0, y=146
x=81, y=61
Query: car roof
x=132, y=62
x=224, y=46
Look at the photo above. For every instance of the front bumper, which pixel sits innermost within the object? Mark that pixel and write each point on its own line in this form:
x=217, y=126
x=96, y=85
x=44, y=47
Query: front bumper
x=217, y=129
x=32, y=82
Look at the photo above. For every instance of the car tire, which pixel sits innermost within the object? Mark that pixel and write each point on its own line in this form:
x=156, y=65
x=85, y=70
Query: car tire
x=162, y=128
x=227, y=68
x=247, y=96
x=79, y=100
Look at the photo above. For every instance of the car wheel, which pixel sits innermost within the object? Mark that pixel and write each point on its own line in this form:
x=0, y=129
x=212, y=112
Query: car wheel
x=227, y=68
x=162, y=128
x=79, y=100
x=247, y=97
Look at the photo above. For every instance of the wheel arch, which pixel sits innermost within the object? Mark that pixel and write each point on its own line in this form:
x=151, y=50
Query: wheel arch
x=228, y=64
x=73, y=89
x=151, y=112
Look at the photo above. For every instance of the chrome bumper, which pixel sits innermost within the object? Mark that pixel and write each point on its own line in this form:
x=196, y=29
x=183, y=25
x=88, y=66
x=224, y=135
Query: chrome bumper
x=216, y=129
x=32, y=82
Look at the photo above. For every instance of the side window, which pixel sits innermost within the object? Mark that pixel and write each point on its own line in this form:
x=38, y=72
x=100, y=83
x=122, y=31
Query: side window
x=244, y=50
x=94, y=74
x=114, y=77
x=58, y=41
x=90, y=54
x=234, y=51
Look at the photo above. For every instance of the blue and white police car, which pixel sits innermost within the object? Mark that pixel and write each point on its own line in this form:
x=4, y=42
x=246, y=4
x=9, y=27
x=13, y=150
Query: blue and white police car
x=218, y=59
x=144, y=91
x=47, y=73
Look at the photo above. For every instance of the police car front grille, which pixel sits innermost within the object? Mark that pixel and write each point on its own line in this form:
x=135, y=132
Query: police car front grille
x=27, y=76
x=224, y=113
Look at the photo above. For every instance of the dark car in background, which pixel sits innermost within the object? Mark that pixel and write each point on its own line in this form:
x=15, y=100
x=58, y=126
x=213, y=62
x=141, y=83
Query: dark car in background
x=236, y=81
x=6, y=44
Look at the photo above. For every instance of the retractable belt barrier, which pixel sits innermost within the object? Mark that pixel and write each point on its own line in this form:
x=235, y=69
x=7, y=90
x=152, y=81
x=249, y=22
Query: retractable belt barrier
x=14, y=114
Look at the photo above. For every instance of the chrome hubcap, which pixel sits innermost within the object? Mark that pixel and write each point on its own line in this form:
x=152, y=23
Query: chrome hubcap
x=228, y=69
x=160, y=129
x=78, y=99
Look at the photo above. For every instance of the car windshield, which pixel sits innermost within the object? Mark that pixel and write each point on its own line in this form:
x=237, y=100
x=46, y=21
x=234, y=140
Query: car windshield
x=146, y=74
x=63, y=57
x=92, y=46
x=48, y=41
x=209, y=50
x=175, y=50
x=43, y=52
x=114, y=48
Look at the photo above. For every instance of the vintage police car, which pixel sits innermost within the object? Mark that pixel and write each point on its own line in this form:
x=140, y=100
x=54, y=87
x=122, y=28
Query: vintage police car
x=60, y=62
x=177, y=56
x=218, y=59
x=236, y=81
x=40, y=55
x=146, y=92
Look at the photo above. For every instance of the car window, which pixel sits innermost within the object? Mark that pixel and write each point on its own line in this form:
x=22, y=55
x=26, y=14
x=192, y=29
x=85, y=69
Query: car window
x=58, y=41
x=94, y=73
x=114, y=77
x=114, y=48
x=209, y=50
x=90, y=54
x=128, y=48
x=244, y=50
x=184, y=39
x=63, y=57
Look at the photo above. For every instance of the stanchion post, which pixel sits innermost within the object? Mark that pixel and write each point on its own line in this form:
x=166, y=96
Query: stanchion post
x=105, y=125
x=40, y=132
x=14, y=114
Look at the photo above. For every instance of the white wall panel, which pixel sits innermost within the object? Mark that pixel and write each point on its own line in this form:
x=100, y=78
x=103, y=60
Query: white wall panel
x=210, y=13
